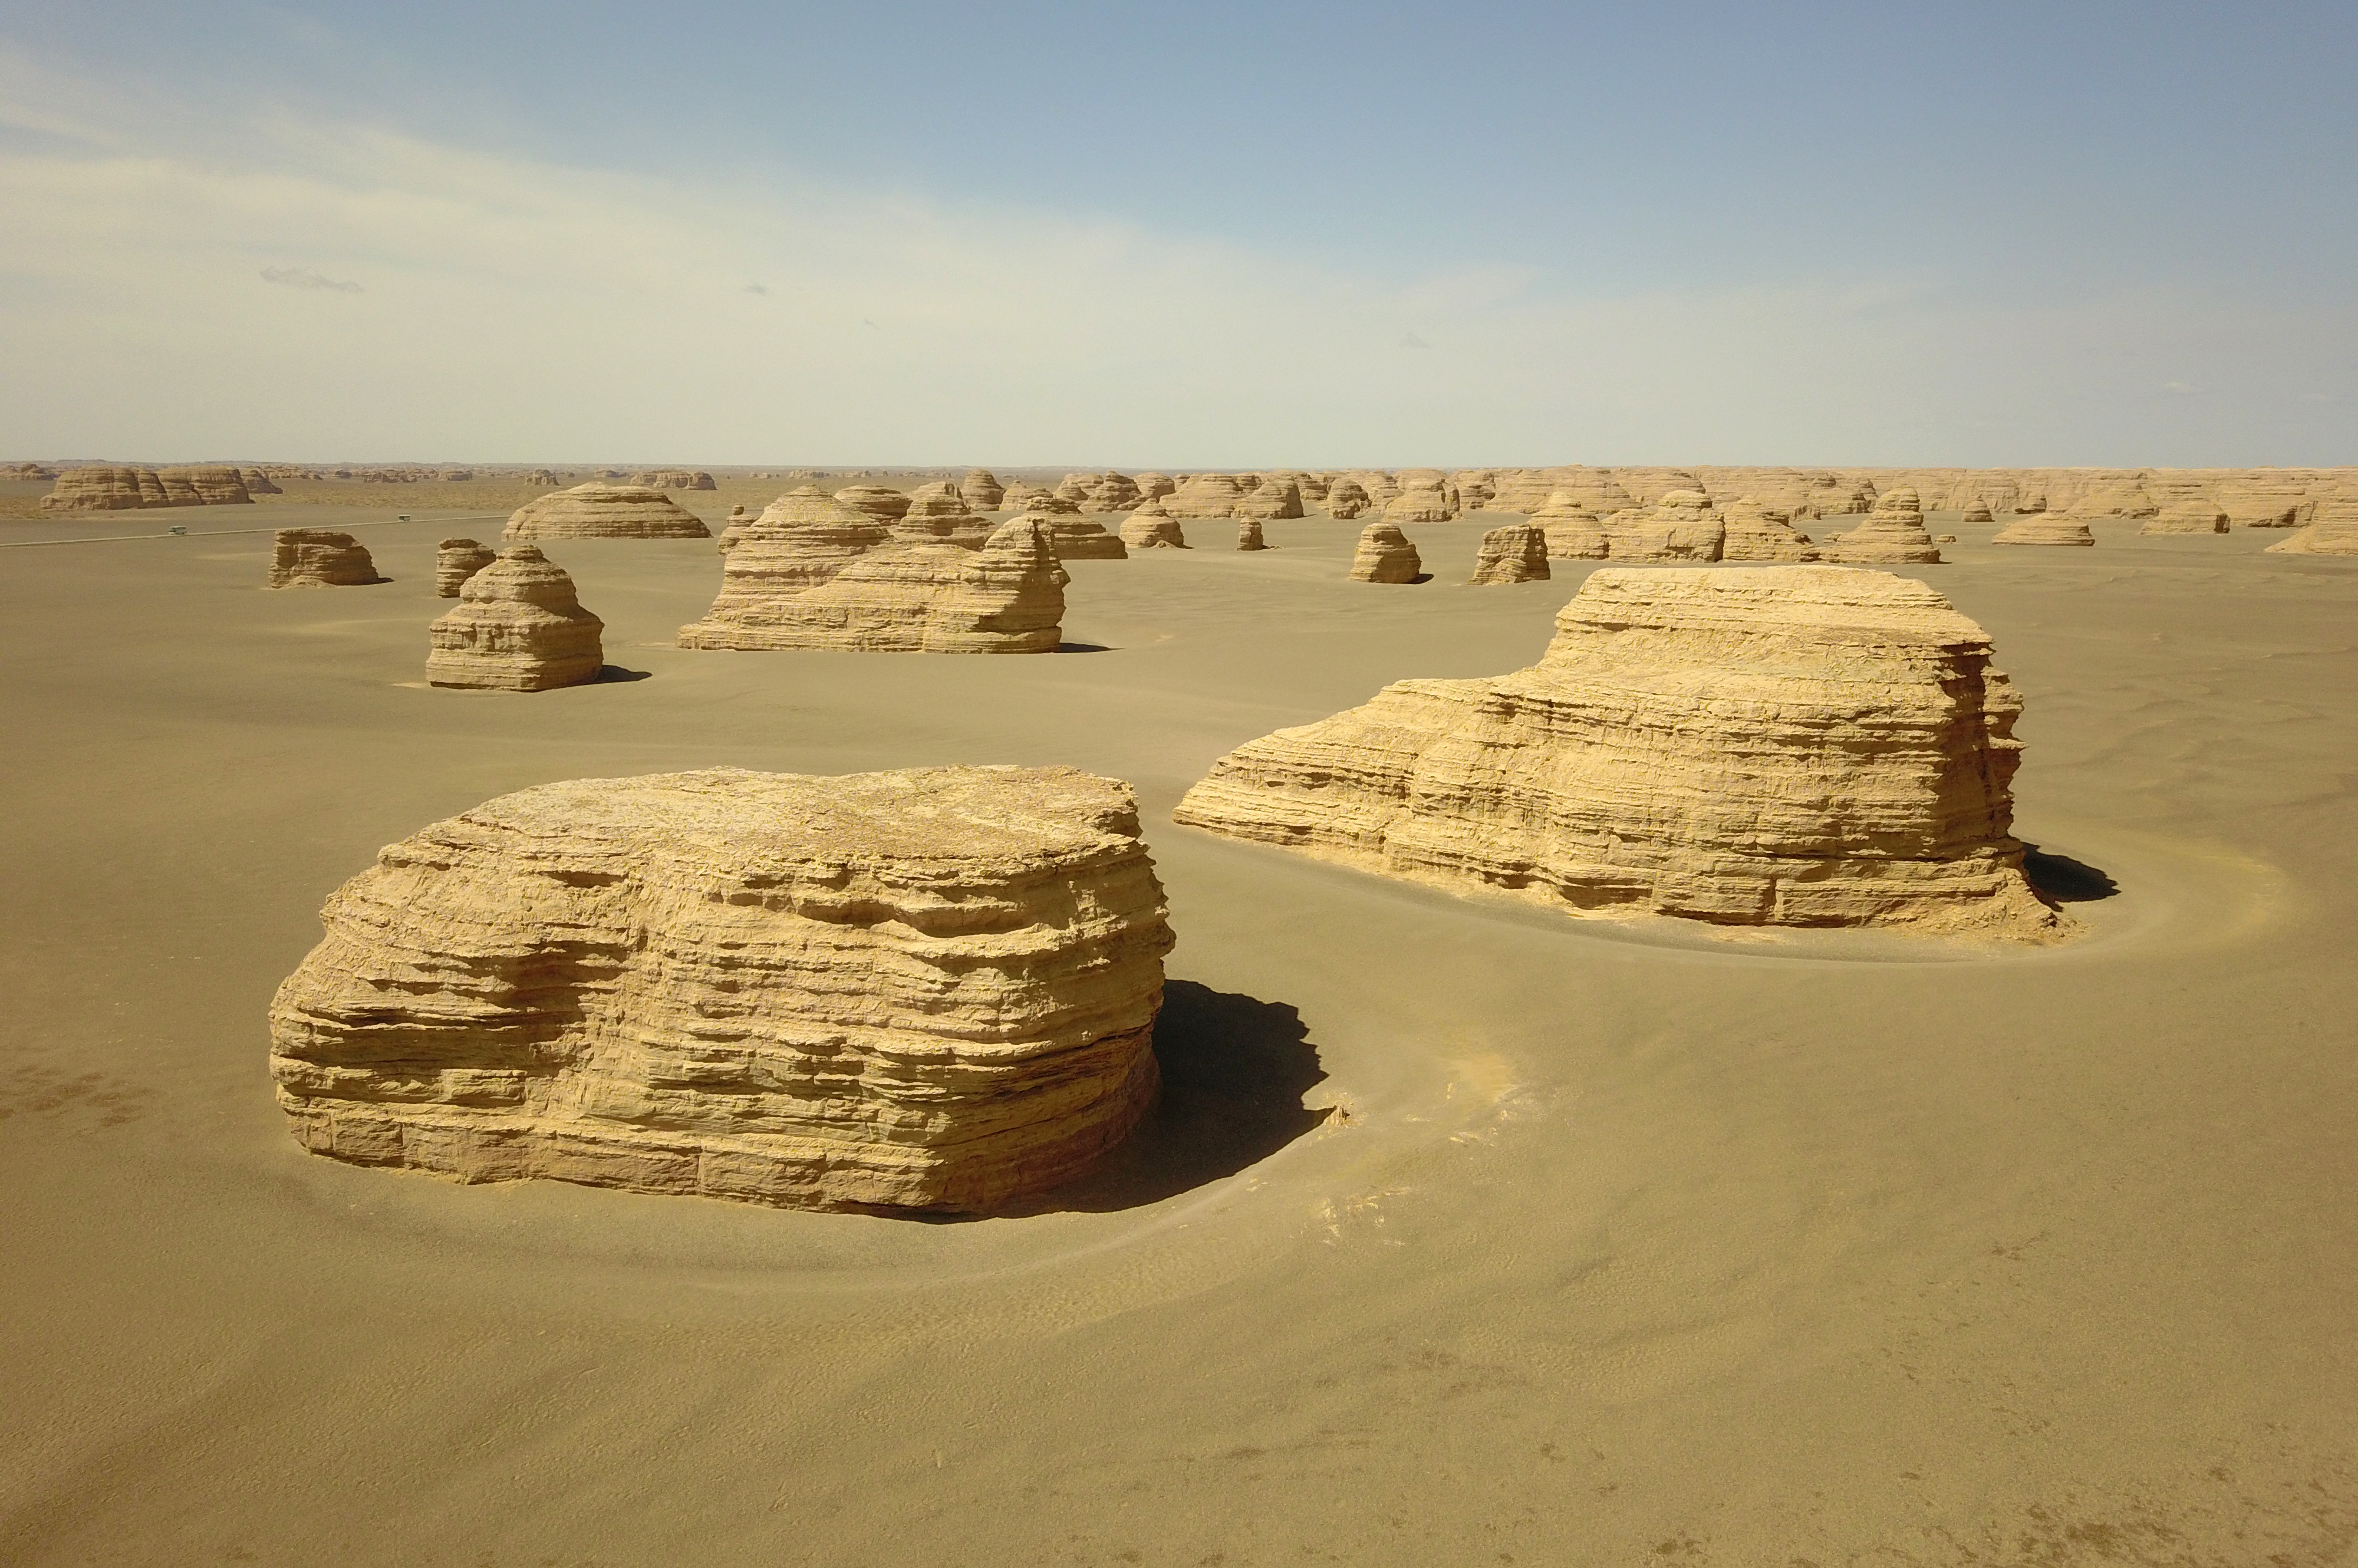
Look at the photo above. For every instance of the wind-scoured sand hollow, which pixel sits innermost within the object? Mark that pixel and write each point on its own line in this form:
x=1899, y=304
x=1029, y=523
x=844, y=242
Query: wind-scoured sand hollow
x=1465, y=1229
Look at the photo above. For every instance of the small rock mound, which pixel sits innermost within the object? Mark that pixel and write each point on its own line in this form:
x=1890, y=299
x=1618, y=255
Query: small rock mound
x=2190, y=517
x=1152, y=528
x=1572, y=532
x=1892, y=534
x=1385, y=555
x=2046, y=528
x=601, y=511
x=1419, y=503
x=456, y=560
x=320, y=557
x=934, y=988
x=1515, y=553
x=1248, y=535
x=981, y=489
x=1077, y=538
x=517, y=626
x=880, y=502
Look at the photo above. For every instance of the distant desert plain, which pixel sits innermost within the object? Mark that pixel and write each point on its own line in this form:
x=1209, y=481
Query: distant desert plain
x=1464, y=1231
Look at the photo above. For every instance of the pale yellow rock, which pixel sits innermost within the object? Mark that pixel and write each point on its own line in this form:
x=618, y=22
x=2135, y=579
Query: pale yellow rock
x=1154, y=486
x=1574, y=532
x=2046, y=528
x=982, y=489
x=1378, y=486
x=1516, y=551
x=601, y=511
x=1781, y=745
x=258, y=482
x=939, y=512
x=880, y=502
x=2266, y=502
x=1345, y=500
x=1682, y=526
x=933, y=988
x=456, y=560
x=205, y=485
x=320, y=557
x=800, y=540
x=2189, y=517
x=1077, y=538
x=912, y=597
x=1648, y=486
x=1276, y=498
x=1152, y=528
x=1472, y=489
x=2105, y=500
x=2334, y=534
x=517, y=626
x=1976, y=511
x=1421, y=479
x=1206, y=495
x=675, y=478
x=1385, y=555
x=1420, y=503
x=99, y=489
x=1892, y=534
x=1022, y=497
x=1757, y=533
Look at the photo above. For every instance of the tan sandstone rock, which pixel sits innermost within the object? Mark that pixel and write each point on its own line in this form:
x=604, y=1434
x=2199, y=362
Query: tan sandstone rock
x=1277, y=497
x=1385, y=555
x=939, y=511
x=1248, y=535
x=1079, y=538
x=1574, y=532
x=2188, y=517
x=456, y=560
x=320, y=557
x=1154, y=486
x=601, y=511
x=1418, y=504
x=101, y=488
x=1787, y=745
x=1757, y=533
x=517, y=626
x=1682, y=526
x=933, y=988
x=1892, y=534
x=2333, y=534
x=1152, y=528
x=800, y=540
x=1347, y=500
x=880, y=502
x=1206, y=495
x=2266, y=502
x=1516, y=551
x=982, y=489
x=2046, y=528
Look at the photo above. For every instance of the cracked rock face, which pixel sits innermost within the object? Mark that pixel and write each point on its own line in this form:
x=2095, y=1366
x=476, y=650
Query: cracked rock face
x=598, y=511
x=931, y=989
x=1780, y=745
x=517, y=626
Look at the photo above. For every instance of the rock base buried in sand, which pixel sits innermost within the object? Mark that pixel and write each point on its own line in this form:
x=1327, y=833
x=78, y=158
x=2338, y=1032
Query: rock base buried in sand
x=1515, y=553
x=905, y=598
x=2190, y=517
x=517, y=627
x=1385, y=555
x=2332, y=536
x=598, y=511
x=320, y=557
x=1782, y=745
x=932, y=988
x=456, y=560
x=2045, y=528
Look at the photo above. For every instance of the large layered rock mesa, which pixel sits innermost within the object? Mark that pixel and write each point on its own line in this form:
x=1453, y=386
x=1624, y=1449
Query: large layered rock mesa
x=1421, y=499
x=1516, y=551
x=1277, y=499
x=2190, y=517
x=320, y=557
x=601, y=511
x=907, y=596
x=933, y=988
x=1206, y=495
x=456, y=560
x=111, y=488
x=1385, y=554
x=518, y=626
x=1892, y=534
x=1783, y=745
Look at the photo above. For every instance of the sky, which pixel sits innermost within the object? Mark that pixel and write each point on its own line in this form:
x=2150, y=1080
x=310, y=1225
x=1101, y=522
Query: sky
x=1180, y=236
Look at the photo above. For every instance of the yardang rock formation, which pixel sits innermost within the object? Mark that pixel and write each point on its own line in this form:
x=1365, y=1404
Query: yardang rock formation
x=1385, y=555
x=1516, y=551
x=518, y=626
x=933, y=988
x=320, y=557
x=1784, y=745
x=597, y=510
x=456, y=560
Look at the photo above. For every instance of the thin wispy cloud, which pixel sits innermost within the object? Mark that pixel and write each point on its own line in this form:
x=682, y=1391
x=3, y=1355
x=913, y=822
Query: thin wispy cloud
x=304, y=277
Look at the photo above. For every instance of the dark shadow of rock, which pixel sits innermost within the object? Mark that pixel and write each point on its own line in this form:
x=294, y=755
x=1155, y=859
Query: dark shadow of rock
x=607, y=675
x=2060, y=878
x=1083, y=648
x=1234, y=1071
x=1422, y=577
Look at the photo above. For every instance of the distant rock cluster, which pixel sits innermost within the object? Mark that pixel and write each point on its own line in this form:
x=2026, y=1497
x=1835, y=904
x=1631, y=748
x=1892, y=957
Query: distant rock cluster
x=131, y=489
x=599, y=511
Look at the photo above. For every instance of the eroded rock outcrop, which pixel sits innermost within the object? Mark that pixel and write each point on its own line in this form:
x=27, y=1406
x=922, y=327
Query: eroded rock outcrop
x=601, y=511
x=1206, y=495
x=2188, y=517
x=1278, y=497
x=1248, y=535
x=1682, y=526
x=1893, y=534
x=1152, y=528
x=1418, y=504
x=518, y=626
x=2048, y=528
x=938, y=512
x=1518, y=552
x=1385, y=555
x=1574, y=532
x=881, y=501
x=320, y=557
x=981, y=489
x=2334, y=534
x=456, y=560
x=1875, y=786
x=1757, y=533
x=1345, y=500
x=932, y=988
x=99, y=489
x=901, y=598
x=1079, y=538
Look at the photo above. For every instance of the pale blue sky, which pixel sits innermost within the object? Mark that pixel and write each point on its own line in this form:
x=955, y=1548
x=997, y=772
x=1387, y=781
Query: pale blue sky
x=1210, y=234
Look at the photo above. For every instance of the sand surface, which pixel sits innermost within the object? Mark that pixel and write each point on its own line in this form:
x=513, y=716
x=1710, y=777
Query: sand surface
x=1467, y=1235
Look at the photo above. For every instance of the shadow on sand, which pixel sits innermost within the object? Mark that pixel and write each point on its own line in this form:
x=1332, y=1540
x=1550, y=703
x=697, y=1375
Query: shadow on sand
x=1234, y=1071
x=1083, y=648
x=2063, y=879
x=610, y=674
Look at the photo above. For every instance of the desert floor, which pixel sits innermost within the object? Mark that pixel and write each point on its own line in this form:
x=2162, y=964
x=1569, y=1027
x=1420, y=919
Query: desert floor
x=1468, y=1234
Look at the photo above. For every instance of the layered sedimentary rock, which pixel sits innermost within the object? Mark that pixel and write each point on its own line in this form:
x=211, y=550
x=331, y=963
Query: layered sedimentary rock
x=2105, y=500
x=1249, y=536
x=1682, y=526
x=880, y=502
x=1574, y=532
x=909, y=598
x=1757, y=533
x=1100, y=491
x=1976, y=511
x=940, y=512
x=933, y=988
x=2334, y=534
x=1471, y=490
x=1892, y=534
x=1516, y=551
x=1154, y=486
x=2265, y=502
x=601, y=511
x=320, y=557
x=674, y=478
x=805, y=535
x=1276, y=498
x=1789, y=745
x=2046, y=528
x=1385, y=555
x=1418, y=504
x=1206, y=495
x=258, y=482
x=1345, y=500
x=518, y=626
x=1152, y=528
x=456, y=560
x=102, y=489
x=1021, y=497
x=981, y=489
x=1079, y=538
x=2188, y=517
